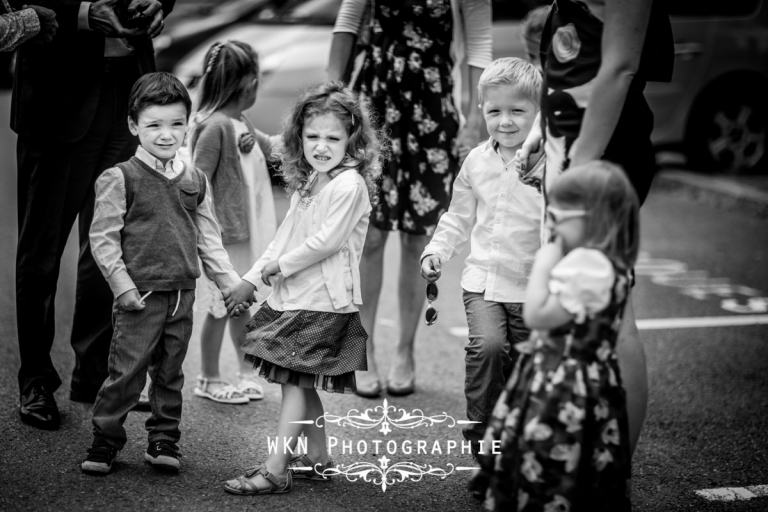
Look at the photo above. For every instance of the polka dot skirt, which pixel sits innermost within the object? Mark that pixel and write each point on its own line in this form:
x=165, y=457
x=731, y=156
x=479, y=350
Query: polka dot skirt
x=308, y=342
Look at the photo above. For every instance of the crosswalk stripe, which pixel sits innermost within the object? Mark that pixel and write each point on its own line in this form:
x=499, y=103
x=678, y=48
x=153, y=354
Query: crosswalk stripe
x=734, y=493
x=650, y=324
x=701, y=321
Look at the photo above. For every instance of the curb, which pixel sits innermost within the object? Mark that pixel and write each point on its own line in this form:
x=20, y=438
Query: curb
x=718, y=192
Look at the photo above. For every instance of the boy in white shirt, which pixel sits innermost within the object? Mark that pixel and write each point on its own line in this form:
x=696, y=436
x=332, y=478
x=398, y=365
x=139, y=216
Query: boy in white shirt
x=500, y=215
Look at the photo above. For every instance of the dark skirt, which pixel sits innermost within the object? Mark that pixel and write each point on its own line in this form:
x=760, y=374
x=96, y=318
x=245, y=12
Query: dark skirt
x=308, y=349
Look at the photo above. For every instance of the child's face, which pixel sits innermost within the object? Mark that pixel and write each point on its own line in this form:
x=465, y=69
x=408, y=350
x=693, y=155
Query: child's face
x=567, y=223
x=532, y=51
x=161, y=129
x=325, y=142
x=509, y=114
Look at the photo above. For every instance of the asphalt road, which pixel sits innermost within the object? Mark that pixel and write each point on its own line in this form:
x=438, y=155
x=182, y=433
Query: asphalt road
x=707, y=415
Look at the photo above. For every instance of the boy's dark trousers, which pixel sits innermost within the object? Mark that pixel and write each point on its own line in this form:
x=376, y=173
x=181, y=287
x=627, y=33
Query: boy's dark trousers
x=155, y=338
x=494, y=329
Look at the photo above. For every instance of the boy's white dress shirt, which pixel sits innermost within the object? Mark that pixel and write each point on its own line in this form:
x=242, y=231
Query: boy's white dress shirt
x=108, y=221
x=500, y=216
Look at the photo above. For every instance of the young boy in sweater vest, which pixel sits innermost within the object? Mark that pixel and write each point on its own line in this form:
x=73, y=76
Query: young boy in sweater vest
x=153, y=218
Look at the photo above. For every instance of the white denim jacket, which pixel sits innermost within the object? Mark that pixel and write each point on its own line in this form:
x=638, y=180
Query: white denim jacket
x=340, y=221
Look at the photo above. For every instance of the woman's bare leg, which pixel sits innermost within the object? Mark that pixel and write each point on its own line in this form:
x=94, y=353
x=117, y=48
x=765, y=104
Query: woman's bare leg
x=371, y=271
x=411, y=296
x=634, y=373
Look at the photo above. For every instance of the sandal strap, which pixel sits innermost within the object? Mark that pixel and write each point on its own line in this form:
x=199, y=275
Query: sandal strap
x=275, y=481
x=225, y=392
x=302, y=460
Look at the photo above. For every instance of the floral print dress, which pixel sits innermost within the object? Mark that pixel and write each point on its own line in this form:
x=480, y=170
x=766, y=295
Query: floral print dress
x=562, y=419
x=407, y=77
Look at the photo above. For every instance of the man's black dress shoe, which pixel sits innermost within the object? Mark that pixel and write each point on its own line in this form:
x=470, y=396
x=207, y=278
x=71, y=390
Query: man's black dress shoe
x=38, y=408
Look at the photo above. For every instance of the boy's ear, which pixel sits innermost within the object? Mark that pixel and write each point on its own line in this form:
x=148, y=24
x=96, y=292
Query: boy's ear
x=132, y=127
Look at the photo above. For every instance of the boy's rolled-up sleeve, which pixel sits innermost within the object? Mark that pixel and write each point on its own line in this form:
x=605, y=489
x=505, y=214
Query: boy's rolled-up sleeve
x=455, y=225
x=210, y=248
x=105, y=230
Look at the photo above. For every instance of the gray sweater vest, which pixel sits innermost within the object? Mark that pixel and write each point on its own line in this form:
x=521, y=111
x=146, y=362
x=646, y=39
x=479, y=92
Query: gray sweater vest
x=159, y=237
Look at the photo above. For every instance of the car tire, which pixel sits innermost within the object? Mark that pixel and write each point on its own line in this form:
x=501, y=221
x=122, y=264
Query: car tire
x=727, y=129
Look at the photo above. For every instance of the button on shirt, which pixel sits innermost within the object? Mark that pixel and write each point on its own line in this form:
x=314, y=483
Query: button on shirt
x=108, y=221
x=500, y=216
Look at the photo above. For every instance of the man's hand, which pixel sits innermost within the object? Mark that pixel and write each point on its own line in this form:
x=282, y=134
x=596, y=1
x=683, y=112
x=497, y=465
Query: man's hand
x=131, y=300
x=269, y=270
x=430, y=268
x=102, y=18
x=151, y=8
x=48, y=24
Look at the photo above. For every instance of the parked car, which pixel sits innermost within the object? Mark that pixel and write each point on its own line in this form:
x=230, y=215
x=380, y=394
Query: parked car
x=712, y=109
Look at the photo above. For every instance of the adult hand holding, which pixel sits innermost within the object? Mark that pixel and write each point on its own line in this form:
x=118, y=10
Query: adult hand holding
x=102, y=18
x=150, y=8
x=532, y=148
x=48, y=24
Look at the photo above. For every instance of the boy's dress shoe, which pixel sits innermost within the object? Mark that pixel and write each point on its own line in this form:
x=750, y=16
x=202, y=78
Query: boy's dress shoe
x=38, y=408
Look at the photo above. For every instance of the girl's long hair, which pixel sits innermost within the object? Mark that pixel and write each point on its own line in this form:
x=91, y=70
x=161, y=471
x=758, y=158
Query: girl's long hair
x=603, y=189
x=229, y=68
x=365, y=150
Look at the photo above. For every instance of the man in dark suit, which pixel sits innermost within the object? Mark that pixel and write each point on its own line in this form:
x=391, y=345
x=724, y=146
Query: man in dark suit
x=70, y=109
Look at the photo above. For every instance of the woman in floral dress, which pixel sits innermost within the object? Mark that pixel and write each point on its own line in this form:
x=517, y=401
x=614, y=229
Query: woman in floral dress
x=562, y=419
x=409, y=74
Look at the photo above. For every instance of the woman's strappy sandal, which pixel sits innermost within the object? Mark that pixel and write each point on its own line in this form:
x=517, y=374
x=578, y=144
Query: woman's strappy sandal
x=314, y=470
x=248, y=488
x=227, y=394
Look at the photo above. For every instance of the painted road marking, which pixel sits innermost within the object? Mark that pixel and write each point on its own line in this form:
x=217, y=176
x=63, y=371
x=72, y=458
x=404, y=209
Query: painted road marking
x=701, y=321
x=650, y=324
x=734, y=493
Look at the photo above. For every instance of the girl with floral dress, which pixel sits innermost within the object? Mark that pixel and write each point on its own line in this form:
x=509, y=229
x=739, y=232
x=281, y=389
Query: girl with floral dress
x=562, y=419
x=308, y=335
x=230, y=152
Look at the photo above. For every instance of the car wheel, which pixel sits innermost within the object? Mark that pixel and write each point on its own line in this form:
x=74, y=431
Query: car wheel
x=728, y=132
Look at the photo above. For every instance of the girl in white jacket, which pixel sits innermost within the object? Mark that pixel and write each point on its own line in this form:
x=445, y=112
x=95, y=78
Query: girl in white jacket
x=308, y=335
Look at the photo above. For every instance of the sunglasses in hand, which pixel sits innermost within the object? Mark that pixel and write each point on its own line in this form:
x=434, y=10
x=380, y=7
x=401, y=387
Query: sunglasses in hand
x=431, y=314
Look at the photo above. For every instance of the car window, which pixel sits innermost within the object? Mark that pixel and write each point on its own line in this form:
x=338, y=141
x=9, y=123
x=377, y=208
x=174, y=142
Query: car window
x=701, y=8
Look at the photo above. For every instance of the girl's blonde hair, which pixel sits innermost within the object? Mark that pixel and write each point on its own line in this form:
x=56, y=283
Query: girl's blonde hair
x=229, y=68
x=365, y=150
x=603, y=189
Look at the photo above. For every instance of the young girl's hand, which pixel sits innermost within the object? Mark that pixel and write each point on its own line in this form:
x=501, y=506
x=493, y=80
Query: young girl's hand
x=241, y=293
x=246, y=142
x=430, y=268
x=269, y=270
